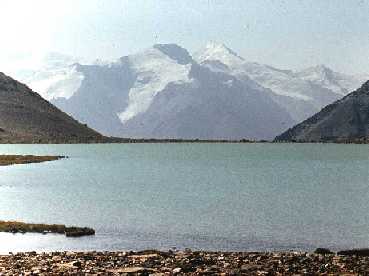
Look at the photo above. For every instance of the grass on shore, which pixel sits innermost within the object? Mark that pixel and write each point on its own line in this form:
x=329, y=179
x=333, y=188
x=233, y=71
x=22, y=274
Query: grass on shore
x=6, y=160
x=21, y=227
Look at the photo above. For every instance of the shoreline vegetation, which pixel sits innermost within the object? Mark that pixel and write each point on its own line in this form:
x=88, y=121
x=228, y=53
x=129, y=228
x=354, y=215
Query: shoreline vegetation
x=7, y=160
x=21, y=227
x=187, y=262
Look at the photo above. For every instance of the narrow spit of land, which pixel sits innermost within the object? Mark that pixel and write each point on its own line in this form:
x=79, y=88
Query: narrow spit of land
x=6, y=160
x=182, y=263
x=21, y=227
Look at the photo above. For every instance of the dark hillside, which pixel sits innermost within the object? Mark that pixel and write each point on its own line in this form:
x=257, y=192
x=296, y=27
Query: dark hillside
x=345, y=121
x=25, y=117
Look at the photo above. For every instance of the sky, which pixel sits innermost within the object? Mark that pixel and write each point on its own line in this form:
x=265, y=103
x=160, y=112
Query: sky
x=289, y=34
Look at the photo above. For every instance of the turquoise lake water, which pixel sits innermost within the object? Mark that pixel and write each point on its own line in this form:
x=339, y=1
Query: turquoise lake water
x=201, y=196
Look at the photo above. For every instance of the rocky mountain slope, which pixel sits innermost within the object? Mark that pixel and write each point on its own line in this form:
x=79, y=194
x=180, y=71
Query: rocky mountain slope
x=346, y=120
x=164, y=92
x=25, y=117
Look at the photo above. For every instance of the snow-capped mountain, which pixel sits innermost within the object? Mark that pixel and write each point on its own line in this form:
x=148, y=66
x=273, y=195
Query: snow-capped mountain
x=301, y=94
x=154, y=70
x=163, y=93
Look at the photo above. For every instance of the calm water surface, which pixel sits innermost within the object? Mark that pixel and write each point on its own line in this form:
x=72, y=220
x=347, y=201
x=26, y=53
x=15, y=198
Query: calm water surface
x=202, y=196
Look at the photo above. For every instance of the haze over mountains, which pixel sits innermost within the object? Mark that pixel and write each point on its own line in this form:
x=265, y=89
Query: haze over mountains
x=164, y=92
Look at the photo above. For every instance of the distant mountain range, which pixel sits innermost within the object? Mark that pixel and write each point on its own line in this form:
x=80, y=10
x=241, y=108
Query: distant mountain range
x=25, y=117
x=164, y=92
x=346, y=120
x=302, y=94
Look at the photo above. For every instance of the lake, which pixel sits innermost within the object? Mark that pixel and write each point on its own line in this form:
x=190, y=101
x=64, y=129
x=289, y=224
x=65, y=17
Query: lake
x=202, y=196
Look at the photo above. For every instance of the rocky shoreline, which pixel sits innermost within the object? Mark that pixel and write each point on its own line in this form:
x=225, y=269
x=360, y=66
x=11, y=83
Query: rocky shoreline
x=152, y=262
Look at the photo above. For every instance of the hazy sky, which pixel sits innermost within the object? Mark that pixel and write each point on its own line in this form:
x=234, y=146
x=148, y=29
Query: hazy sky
x=284, y=33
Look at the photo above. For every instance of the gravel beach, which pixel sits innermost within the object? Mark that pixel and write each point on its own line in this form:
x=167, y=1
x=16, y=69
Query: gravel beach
x=153, y=262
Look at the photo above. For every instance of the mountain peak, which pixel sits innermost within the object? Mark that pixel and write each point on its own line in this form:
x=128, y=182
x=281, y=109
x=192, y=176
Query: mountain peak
x=55, y=60
x=219, y=52
x=319, y=69
x=221, y=48
x=319, y=72
x=323, y=69
x=175, y=52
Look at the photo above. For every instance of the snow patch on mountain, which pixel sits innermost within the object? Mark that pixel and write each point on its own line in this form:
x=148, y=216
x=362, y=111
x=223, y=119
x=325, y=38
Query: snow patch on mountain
x=55, y=77
x=281, y=82
x=57, y=83
x=155, y=70
x=339, y=83
x=219, y=58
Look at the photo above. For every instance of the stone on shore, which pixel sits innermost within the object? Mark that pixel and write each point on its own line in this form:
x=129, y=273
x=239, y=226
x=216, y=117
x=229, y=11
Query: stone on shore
x=182, y=263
